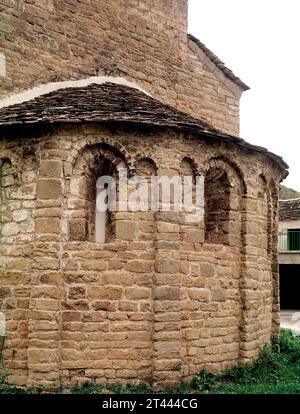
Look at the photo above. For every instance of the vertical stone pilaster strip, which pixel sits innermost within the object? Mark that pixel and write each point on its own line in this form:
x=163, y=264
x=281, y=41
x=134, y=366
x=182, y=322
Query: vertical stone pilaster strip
x=275, y=268
x=44, y=323
x=249, y=324
x=167, y=304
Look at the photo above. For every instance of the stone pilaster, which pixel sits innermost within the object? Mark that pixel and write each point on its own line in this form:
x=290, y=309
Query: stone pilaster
x=166, y=303
x=249, y=283
x=44, y=320
x=275, y=271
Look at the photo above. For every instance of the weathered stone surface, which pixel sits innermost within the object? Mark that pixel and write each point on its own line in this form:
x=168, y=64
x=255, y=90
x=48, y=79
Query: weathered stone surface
x=195, y=236
x=137, y=293
x=207, y=270
x=51, y=169
x=7, y=181
x=48, y=189
x=10, y=229
x=201, y=295
x=69, y=58
x=21, y=215
x=77, y=292
x=167, y=266
x=166, y=293
x=168, y=227
x=139, y=266
x=109, y=293
x=78, y=229
x=47, y=225
x=219, y=295
x=125, y=230
x=159, y=300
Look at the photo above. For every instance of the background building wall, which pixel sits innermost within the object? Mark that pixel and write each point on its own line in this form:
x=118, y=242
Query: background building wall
x=289, y=224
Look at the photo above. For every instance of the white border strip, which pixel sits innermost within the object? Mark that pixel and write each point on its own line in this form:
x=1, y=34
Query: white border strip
x=40, y=90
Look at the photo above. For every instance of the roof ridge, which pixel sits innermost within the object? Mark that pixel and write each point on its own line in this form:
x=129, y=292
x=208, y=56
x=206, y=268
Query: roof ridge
x=218, y=62
x=47, y=88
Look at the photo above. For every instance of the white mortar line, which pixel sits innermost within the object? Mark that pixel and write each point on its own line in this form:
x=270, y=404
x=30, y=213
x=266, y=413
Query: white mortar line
x=40, y=90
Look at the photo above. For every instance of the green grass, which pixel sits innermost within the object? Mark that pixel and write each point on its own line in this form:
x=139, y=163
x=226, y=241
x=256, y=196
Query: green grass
x=272, y=372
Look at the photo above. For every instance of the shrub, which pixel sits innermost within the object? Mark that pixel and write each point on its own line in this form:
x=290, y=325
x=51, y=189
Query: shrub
x=290, y=345
x=205, y=381
x=4, y=374
x=265, y=369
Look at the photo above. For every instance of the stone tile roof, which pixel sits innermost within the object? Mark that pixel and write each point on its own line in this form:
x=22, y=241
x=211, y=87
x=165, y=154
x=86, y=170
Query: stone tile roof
x=289, y=209
x=227, y=72
x=99, y=102
x=110, y=102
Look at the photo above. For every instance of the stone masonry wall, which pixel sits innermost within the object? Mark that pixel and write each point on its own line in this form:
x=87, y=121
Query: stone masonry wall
x=145, y=41
x=157, y=303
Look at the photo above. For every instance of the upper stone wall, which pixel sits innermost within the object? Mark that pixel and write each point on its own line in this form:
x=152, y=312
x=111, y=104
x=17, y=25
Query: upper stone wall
x=145, y=41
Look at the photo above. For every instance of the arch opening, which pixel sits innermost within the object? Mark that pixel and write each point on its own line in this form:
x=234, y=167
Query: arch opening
x=217, y=191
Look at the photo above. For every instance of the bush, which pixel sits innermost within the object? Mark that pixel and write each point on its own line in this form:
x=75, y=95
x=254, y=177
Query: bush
x=92, y=388
x=290, y=345
x=4, y=374
x=265, y=369
x=205, y=381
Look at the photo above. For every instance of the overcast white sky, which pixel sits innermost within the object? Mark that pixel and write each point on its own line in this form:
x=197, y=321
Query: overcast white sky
x=260, y=41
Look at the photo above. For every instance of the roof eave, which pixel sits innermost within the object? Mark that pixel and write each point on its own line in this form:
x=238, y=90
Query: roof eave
x=223, y=68
x=185, y=128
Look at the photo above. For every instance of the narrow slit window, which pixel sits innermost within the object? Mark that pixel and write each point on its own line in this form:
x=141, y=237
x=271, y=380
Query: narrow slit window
x=107, y=187
x=100, y=225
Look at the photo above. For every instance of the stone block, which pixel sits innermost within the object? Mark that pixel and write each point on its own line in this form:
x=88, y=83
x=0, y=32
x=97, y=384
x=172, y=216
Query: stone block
x=50, y=168
x=167, y=365
x=48, y=189
x=76, y=292
x=21, y=215
x=47, y=225
x=77, y=229
x=200, y=295
x=118, y=278
x=166, y=293
x=107, y=292
x=126, y=230
x=139, y=266
x=93, y=264
x=134, y=293
x=219, y=295
x=207, y=270
x=195, y=236
x=10, y=229
x=163, y=227
x=167, y=266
